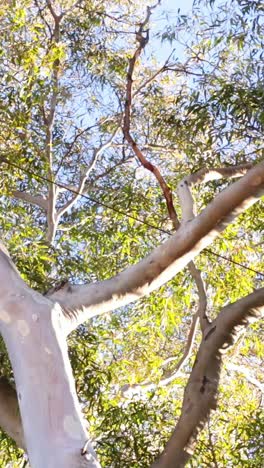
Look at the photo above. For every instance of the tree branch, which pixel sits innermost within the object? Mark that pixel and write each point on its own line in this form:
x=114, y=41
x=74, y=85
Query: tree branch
x=203, y=176
x=142, y=39
x=84, y=301
x=246, y=372
x=201, y=391
x=200, y=314
x=37, y=200
x=171, y=375
x=48, y=118
x=167, y=193
x=83, y=178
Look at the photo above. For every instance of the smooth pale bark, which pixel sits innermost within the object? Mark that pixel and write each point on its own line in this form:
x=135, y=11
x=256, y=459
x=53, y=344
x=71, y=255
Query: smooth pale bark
x=186, y=200
x=201, y=391
x=30, y=324
x=34, y=327
x=80, y=302
x=37, y=200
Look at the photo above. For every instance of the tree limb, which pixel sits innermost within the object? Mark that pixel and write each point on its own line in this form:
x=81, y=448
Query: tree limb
x=48, y=118
x=142, y=38
x=167, y=193
x=37, y=200
x=201, y=391
x=85, y=301
x=171, y=375
x=200, y=314
x=246, y=372
x=203, y=176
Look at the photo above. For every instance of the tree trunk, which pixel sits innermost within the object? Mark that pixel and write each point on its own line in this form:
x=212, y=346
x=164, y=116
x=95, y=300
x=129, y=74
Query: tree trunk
x=54, y=429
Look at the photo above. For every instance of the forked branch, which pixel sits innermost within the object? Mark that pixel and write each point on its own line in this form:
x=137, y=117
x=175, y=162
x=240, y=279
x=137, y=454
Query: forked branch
x=84, y=301
x=201, y=177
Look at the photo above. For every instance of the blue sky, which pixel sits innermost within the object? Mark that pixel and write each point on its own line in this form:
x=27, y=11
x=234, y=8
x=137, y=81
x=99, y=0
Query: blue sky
x=184, y=5
x=162, y=51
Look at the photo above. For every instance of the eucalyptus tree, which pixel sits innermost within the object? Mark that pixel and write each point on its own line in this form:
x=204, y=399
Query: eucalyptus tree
x=102, y=145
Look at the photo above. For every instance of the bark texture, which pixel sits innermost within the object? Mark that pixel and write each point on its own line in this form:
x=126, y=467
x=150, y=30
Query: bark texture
x=54, y=429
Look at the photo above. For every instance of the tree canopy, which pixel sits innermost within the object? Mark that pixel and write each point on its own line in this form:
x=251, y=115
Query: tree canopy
x=105, y=108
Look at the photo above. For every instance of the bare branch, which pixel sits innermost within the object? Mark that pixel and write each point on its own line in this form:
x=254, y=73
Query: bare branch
x=201, y=312
x=149, y=80
x=247, y=373
x=200, y=315
x=69, y=10
x=48, y=117
x=163, y=185
x=53, y=13
x=142, y=38
x=85, y=301
x=84, y=177
x=203, y=176
x=201, y=391
x=37, y=200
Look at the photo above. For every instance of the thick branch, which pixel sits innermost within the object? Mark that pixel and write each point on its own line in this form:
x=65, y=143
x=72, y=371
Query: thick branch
x=201, y=391
x=85, y=301
x=54, y=429
x=37, y=200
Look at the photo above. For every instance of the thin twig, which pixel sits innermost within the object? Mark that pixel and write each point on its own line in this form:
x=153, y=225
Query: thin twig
x=84, y=177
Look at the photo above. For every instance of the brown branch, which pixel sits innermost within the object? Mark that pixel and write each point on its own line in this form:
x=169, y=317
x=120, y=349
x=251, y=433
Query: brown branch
x=142, y=38
x=56, y=17
x=10, y=420
x=152, y=168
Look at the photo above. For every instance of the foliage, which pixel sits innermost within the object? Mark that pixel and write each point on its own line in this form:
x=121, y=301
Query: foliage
x=203, y=109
